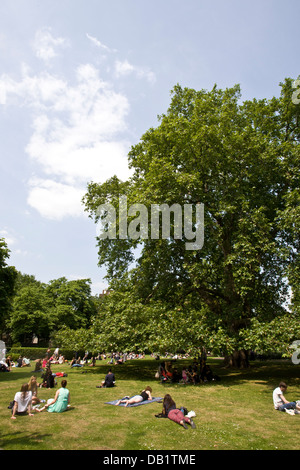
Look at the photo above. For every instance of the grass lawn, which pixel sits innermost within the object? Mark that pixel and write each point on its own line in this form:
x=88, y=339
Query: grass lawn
x=234, y=414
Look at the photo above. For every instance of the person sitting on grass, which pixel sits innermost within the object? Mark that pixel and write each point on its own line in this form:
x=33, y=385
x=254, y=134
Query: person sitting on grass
x=174, y=414
x=22, y=402
x=109, y=380
x=9, y=362
x=33, y=388
x=48, y=377
x=76, y=362
x=44, y=362
x=4, y=366
x=281, y=403
x=38, y=366
x=19, y=361
x=25, y=362
x=143, y=396
x=60, y=402
x=93, y=362
x=176, y=375
x=169, y=370
x=184, y=375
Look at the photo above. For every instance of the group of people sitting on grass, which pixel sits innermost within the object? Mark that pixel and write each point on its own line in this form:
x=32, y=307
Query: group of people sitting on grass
x=121, y=357
x=7, y=364
x=47, y=375
x=56, y=359
x=26, y=400
x=112, y=358
x=196, y=373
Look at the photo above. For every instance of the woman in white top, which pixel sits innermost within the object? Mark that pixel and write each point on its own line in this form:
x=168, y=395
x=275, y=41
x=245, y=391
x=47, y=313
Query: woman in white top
x=22, y=401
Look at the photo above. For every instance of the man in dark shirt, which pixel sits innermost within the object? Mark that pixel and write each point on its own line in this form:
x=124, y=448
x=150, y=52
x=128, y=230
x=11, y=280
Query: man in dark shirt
x=20, y=361
x=109, y=380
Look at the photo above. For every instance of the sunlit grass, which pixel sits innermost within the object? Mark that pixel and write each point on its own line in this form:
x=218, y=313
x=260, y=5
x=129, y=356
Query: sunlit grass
x=235, y=413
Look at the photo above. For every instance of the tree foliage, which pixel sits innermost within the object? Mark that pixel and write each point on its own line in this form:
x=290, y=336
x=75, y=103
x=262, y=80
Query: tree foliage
x=241, y=160
x=8, y=276
x=40, y=309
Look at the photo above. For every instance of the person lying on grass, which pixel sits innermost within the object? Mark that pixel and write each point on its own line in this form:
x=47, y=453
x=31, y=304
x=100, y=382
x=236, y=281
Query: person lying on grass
x=174, y=414
x=143, y=396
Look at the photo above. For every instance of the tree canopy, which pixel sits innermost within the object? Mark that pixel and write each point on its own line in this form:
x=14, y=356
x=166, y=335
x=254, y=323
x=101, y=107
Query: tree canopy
x=40, y=309
x=8, y=276
x=241, y=161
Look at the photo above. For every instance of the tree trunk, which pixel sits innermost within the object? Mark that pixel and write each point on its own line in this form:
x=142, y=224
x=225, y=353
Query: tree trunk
x=237, y=360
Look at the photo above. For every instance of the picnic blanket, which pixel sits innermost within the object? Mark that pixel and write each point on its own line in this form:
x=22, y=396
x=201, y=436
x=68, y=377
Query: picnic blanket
x=145, y=402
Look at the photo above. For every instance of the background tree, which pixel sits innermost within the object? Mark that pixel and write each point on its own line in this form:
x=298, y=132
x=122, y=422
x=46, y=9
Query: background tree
x=8, y=275
x=70, y=302
x=39, y=309
x=30, y=316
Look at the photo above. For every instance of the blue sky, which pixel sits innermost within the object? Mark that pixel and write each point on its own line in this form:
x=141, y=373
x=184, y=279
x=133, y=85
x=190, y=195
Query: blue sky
x=81, y=81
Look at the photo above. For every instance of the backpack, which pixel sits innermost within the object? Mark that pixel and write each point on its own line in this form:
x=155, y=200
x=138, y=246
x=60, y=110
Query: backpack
x=184, y=410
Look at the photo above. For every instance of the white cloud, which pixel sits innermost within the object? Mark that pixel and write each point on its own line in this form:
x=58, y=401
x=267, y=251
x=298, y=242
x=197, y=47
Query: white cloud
x=55, y=200
x=9, y=238
x=21, y=252
x=75, y=164
x=99, y=44
x=125, y=68
x=78, y=127
x=76, y=136
x=45, y=44
x=34, y=91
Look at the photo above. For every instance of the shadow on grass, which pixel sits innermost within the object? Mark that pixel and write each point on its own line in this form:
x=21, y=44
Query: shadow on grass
x=268, y=372
x=19, y=439
x=24, y=373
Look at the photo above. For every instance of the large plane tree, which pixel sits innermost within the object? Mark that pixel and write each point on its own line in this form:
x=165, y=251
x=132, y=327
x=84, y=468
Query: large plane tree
x=241, y=161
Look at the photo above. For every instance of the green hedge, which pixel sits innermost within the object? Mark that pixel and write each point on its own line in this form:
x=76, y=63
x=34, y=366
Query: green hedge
x=39, y=353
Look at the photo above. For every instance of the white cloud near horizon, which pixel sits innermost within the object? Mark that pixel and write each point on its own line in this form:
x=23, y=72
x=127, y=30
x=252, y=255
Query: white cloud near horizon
x=12, y=240
x=9, y=237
